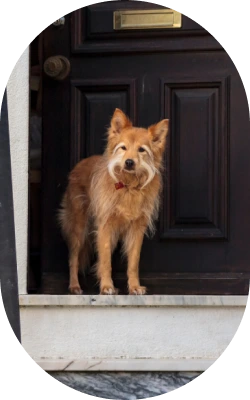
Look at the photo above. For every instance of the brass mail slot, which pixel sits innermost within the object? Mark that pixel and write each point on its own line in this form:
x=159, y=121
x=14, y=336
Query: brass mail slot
x=146, y=19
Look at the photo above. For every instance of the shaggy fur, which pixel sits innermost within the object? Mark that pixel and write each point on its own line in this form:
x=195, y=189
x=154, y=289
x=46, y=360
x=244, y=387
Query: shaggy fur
x=95, y=212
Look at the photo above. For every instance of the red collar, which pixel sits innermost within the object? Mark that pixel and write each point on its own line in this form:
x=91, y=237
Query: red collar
x=119, y=185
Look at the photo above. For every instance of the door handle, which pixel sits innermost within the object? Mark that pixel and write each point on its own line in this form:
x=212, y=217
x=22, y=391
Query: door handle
x=57, y=67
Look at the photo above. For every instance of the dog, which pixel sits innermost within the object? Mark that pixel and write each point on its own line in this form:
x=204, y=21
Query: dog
x=114, y=197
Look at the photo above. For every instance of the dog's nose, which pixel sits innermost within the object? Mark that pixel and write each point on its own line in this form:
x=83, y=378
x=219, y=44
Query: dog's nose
x=129, y=163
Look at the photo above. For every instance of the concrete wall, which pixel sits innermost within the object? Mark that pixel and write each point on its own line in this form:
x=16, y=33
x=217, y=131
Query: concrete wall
x=18, y=108
x=126, y=333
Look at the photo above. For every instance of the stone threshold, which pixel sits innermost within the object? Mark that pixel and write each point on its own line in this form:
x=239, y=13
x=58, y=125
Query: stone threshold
x=143, y=364
x=131, y=301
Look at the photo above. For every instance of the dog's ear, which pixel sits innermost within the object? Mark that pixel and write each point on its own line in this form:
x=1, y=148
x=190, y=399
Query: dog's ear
x=119, y=121
x=159, y=132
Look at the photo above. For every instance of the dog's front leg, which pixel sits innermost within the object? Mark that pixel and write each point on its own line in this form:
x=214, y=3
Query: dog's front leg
x=133, y=242
x=104, y=269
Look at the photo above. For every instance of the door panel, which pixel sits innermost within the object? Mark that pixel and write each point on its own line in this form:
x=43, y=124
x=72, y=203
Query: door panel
x=197, y=160
x=92, y=32
x=93, y=101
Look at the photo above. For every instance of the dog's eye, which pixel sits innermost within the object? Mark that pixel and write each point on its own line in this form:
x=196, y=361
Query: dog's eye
x=123, y=148
x=141, y=149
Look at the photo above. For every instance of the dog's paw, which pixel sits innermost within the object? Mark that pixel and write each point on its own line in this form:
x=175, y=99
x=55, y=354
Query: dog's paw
x=108, y=290
x=137, y=290
x=75, y=289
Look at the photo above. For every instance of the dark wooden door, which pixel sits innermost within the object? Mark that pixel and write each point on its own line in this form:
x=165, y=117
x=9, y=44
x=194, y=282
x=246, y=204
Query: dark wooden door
x=202, y=242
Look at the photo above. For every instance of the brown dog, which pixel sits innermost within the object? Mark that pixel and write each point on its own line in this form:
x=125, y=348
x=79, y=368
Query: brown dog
x=115, y=197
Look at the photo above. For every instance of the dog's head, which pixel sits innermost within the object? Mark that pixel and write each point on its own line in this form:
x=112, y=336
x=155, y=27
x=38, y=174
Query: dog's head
x=133, y=150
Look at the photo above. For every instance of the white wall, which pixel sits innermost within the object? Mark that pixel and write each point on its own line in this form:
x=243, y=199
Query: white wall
x=18, y=108
x=171, y=332
x=101, y=337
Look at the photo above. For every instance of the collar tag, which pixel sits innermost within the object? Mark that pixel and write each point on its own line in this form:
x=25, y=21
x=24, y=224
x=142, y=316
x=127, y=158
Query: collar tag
x=119, y=185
